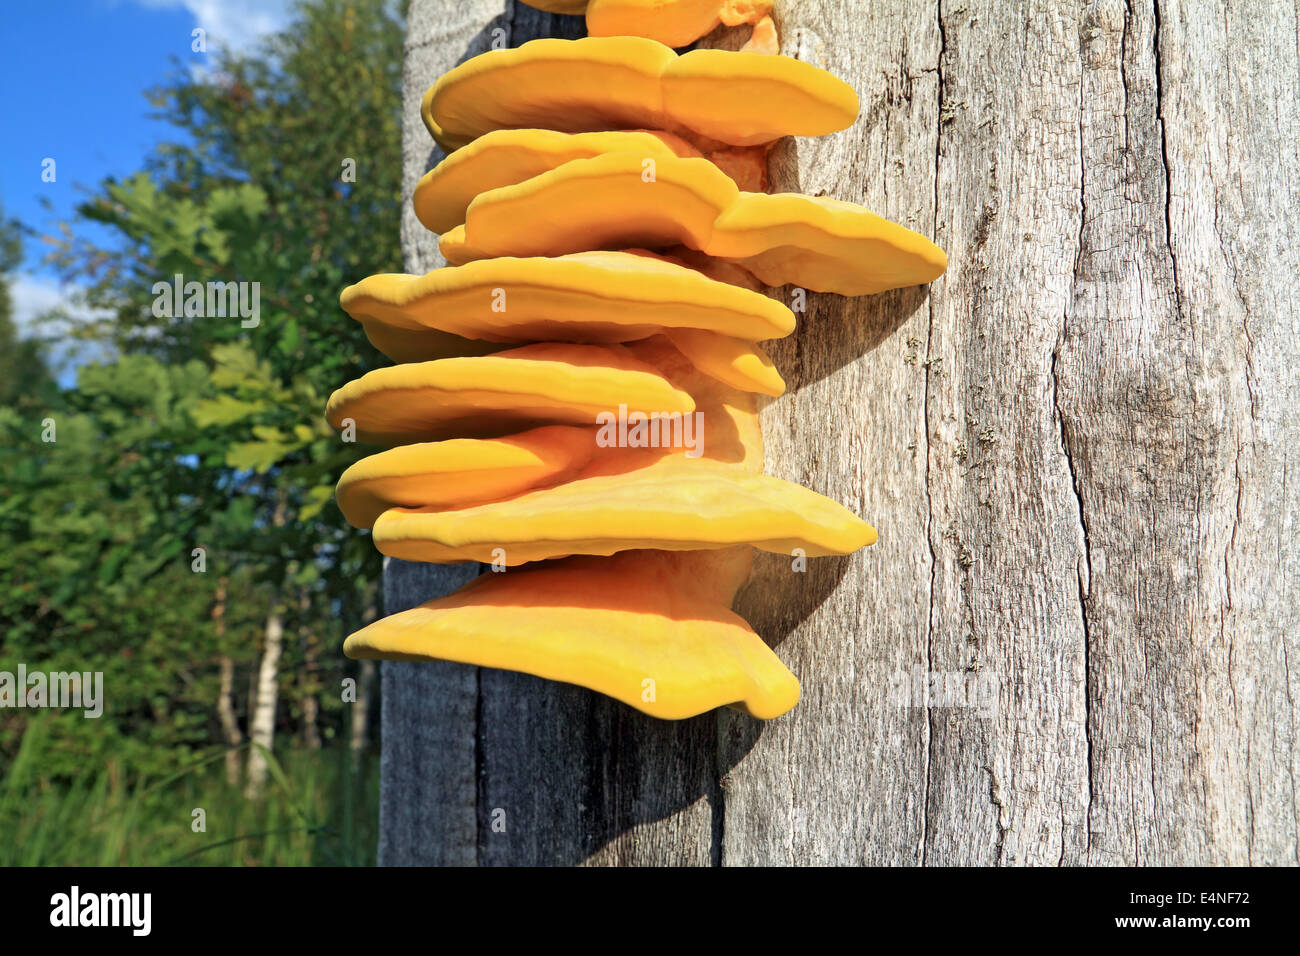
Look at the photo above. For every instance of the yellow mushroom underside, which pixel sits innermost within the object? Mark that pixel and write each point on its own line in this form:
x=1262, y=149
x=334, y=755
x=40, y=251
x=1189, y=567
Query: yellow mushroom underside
x=630, y=627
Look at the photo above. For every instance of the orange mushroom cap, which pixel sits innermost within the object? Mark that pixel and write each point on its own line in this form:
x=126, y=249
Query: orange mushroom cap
x=592, y=297
x=504, y=157
x=674, y=504
x=603, y=83
x=488, y=395
x=821, y=244
x=675, y=23
x=461, y=471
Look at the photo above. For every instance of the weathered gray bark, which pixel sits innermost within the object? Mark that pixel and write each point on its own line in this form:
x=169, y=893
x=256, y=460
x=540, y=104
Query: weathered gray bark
x=1076, y=446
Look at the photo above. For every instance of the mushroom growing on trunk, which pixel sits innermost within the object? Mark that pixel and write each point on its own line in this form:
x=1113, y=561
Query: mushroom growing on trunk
x=575, y=399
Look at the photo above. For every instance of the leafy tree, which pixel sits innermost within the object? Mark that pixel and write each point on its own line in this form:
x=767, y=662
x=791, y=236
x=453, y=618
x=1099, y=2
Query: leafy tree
x=210, y=428
x=24, y=378
x=92, y=574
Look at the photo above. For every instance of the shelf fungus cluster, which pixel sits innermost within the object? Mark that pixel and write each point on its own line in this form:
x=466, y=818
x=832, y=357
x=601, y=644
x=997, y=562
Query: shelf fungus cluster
x=574, y=399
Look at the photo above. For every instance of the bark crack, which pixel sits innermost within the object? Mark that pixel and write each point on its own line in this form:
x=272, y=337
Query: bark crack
x=1157, y=50
x=925, y=426
x=1286, y=670
x=1232, y=539
x=1084, y=583
x=995, y=797
x=1060, y=859
x=1164, y=162
x=480, y=773
x=1231, y=268
x=1083, y=573
x=1123, y=68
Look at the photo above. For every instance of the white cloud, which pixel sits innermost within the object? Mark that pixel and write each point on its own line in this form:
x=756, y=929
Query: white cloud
x=237, y=24
x=34, y=296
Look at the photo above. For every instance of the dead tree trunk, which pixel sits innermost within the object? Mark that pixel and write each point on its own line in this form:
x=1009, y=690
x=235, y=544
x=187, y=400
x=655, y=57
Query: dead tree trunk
x=263, y=703
x=1075, y=445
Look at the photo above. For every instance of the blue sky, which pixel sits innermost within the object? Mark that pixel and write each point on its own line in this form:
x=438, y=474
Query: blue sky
x=72, y=80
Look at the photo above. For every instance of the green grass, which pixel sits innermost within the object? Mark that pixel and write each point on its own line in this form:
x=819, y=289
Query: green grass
x=318, y=810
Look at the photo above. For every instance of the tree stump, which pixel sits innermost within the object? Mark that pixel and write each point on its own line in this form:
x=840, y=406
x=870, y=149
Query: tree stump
x=1075, y=446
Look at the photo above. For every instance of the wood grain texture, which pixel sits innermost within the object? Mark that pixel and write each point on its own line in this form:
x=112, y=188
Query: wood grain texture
x=1076, y=446
x=577, y=777
x=429, y=763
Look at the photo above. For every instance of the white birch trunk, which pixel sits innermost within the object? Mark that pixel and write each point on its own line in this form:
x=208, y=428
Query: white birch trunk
x=261, y=730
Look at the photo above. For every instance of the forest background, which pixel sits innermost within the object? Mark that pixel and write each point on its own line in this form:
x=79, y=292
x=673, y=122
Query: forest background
x=166, y=504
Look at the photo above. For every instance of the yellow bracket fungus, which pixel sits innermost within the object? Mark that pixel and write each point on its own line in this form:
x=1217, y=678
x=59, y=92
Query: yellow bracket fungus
x=461, y=471
x=504, y=157
x=594, y=297
x=611, y=83
x=675, y=504
x=491, y=395
x=604, y=199
x=664, y=645
x=817, y=243
x=740, y=364
x=763, y=39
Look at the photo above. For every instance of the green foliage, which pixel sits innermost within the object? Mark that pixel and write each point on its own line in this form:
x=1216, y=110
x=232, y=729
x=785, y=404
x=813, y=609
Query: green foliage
x=96, y=573
x=257, y=193
x=24, y=378
x=322, y=810
x=198, y=432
